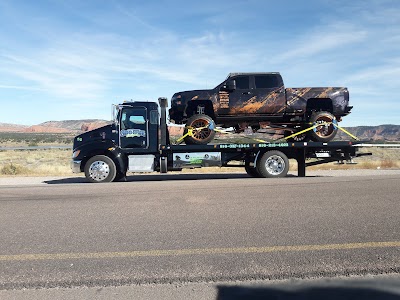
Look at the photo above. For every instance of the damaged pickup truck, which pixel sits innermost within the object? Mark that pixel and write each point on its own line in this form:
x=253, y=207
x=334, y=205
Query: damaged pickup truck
x=257, y=100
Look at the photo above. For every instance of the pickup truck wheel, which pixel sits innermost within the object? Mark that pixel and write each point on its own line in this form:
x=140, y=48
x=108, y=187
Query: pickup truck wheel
x=202, y=130
x=273, y=164
x=325, y=132
x=251, y=171
x=100, y=168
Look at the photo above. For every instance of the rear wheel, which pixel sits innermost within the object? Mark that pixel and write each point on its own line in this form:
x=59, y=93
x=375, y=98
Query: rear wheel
x=273, y=164
x=327, y=130
x=251, y=170
x=100, y=168
x=163, y=165
x=202, y=127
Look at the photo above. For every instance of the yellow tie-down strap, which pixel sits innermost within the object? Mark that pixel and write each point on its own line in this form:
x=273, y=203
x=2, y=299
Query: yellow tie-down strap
x=334, y=123
x=191, y=129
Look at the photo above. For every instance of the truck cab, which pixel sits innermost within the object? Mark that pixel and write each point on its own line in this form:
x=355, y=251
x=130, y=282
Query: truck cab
x=130, y=142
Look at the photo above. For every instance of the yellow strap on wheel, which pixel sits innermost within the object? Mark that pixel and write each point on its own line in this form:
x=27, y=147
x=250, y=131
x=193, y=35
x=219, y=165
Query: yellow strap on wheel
x=190, y=132
x=322, y=124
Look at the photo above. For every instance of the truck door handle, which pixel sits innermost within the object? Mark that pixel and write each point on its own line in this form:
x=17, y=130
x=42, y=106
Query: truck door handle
x=246, y=93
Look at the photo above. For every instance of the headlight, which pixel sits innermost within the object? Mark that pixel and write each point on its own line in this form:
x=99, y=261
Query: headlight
x=76, y=153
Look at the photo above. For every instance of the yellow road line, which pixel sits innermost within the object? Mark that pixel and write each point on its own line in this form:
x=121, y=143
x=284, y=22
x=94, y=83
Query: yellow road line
x=205, y=251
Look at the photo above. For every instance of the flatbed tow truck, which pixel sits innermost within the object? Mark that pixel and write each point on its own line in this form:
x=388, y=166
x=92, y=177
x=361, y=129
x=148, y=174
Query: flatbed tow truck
x=138, y=141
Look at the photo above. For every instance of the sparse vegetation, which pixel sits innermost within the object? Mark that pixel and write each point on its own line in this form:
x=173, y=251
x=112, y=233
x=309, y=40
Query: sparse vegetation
x=48, y=162
x=13, y=169
x=12, y=139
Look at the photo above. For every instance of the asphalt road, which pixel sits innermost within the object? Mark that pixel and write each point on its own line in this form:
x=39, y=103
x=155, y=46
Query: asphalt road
x=175, y=229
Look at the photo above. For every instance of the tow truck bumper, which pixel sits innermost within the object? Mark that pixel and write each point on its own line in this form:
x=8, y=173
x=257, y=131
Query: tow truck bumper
x=76, y=166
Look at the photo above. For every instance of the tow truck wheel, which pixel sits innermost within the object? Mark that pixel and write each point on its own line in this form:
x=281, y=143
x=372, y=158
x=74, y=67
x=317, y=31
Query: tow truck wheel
x=273, y=164
x=100, y=168
x=163, y=165
x=251, y=170
x=327, y=131
x=202, y=130
x=119, y=176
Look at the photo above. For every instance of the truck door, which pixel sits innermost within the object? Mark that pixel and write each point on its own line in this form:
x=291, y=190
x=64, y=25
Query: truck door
x=270, y=93
x=233, y=101
x=133, y=128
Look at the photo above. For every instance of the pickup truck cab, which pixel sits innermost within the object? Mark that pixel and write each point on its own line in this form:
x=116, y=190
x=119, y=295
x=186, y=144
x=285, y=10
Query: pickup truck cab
x=248, y=99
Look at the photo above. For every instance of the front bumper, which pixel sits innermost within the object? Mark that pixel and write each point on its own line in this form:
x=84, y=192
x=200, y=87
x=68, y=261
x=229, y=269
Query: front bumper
x=76, y=166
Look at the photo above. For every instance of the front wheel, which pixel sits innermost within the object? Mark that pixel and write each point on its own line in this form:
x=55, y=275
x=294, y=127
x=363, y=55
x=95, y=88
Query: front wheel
x=273, y=164
x=202, y=127
x=327, y=130
x=100, y=168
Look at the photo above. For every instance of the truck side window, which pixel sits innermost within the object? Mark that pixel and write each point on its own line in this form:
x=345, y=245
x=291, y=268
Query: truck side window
x=132, y=117
x=242, y=82
x=266, y=81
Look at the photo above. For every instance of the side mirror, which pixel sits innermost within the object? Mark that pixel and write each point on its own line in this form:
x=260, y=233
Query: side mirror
x=230, y=85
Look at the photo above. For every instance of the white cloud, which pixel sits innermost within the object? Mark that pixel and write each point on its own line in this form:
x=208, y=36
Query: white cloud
x=141, y=58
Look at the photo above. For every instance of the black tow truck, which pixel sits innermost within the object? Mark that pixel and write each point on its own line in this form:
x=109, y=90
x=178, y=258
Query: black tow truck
x=138, y=141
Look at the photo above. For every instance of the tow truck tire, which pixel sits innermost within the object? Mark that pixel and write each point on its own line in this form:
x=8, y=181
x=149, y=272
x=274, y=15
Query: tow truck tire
x=163, y=165
x=323, y=133
x=100, y=168
x=273, y=164
x=119, y=176
x=201, y=136
x=251, y=171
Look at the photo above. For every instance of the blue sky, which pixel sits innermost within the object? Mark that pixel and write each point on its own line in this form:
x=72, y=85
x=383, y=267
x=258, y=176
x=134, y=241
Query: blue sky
x=70, y=59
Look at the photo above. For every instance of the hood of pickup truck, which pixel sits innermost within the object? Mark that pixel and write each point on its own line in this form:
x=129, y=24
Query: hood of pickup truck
x=185, y=96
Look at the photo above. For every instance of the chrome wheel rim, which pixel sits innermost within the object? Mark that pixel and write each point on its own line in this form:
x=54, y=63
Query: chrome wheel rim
x=99, y=170
x=326, y=127
x=275, y=165
x=204, y=132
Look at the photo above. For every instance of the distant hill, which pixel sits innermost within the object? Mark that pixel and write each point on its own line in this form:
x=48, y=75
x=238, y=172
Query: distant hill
x=384, y=133
x=68, y=126
x=6, y=127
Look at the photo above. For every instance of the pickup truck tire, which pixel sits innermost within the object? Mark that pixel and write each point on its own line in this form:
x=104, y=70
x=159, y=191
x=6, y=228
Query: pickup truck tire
x=273, y=164
x=100, y=168
x=323, y=133
x=200, y=136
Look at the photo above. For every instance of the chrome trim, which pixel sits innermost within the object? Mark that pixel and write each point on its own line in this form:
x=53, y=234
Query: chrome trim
x=76, y=166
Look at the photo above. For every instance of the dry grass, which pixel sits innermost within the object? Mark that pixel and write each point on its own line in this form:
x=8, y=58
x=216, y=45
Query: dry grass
x=55, y=162
x=51, y=162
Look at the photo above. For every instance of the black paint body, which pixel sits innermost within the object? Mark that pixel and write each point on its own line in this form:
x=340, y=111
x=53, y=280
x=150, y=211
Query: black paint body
x=258, y=97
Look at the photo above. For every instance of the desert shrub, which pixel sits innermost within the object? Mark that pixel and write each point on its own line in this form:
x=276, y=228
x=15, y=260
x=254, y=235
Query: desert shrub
x=13, y=169
x=367, y=164
x=388, y=164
